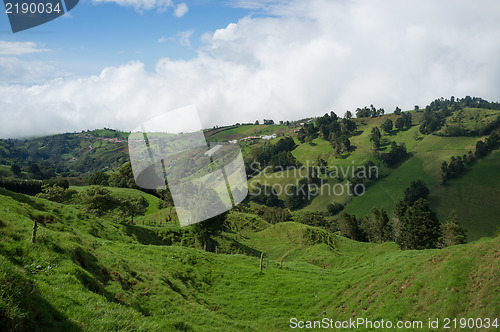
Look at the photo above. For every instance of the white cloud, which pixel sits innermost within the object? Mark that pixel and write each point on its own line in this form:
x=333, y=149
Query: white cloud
x=141, y=5
x=19, y=48
x=181, y=10
x=161, y=40
x=306, y=59
x=184, y=37
x=16, y=71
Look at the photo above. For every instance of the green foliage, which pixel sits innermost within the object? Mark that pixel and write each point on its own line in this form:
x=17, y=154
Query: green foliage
x=417, y=190
x=28, y=187
x=265, y=195
x=57, y=193
x=480, y=149
x=375, y=138
x=98, y=199
x=418, y=226
x=130, y=207
x=395, y=155
x=387, y=126
x=376, y=226
x=206, y=230
x=124, y=178
x=274, y=215
x=310, y=218
x=334, y=208
x=99, y=179
x=451, y=232
x=15, y=169
x=348, y=226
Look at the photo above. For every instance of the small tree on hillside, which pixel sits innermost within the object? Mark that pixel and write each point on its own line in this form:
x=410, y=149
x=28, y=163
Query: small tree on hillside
x=206, y=230
x=387, y=126
x=376, y=226
x=451, y=232
x=375, y=138
x=15, y=169
x=417, y=189
x=130, y=207
x=419, y=227
x=349, y=227
x=400, y=123
x=98, y=199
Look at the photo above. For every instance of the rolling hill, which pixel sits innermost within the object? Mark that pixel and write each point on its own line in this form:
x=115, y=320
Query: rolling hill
x=86, y=274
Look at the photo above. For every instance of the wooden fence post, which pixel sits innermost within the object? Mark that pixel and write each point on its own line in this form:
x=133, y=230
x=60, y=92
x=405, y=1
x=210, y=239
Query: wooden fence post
x=261, y=257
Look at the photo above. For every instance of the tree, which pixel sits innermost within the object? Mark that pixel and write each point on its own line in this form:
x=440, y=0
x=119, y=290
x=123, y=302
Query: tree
x=419, y=227
x=132, y=207
x=387, y=126
x=417, y=190
x=348, y=226
x=256, y=122
x=348, y=115
x=124, y=178
x=206, y=230
x=481, y=150
x=407, y=119
x=417, y=108
x=98, y=199
x=397, y=111
x=398, y=214
x=444, y=171
x=56, y=193
x=375, y=137
x=400, y=123
x=292, y=199
x=376, y=226
x=334, y=208
x=451, y=232
x=35, y=171
x=99, y=178
x=274, y=215
x=15, y=169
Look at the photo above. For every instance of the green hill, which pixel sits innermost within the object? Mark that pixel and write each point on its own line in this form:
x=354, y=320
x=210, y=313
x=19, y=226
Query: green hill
x=92, y=274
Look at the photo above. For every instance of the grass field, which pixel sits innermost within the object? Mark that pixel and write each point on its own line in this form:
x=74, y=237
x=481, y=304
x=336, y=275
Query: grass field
x=75, y=279
x=244, y=131
x=385, y=192
x=475, y=197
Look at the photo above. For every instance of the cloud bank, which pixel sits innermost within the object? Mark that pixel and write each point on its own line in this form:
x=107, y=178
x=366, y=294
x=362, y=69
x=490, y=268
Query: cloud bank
x=304, y=59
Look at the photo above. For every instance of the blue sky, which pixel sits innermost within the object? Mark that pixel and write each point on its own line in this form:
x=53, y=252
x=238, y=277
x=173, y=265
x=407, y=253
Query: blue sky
x=118, y=63
x=97, y=35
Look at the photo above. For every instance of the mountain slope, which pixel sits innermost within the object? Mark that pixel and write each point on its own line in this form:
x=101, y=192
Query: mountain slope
x=73, y=280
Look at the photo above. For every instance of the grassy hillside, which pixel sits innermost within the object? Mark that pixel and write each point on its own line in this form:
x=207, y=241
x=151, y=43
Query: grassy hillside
x=92, y=274
x=474, y=196
x=427, y=154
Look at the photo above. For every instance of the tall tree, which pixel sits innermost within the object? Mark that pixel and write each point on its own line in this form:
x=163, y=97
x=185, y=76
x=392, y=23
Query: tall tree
x=15, y=169
x=420, y=228
x=451, y=232
x=376, y=226
x=375, y=137
x=349, y=227
x=387, y=126
x=417, y=189
x=206, y=230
